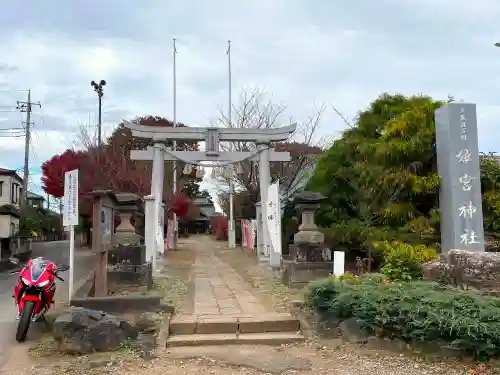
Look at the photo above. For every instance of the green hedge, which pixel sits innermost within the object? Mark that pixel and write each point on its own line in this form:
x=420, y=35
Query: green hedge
x=416, y=311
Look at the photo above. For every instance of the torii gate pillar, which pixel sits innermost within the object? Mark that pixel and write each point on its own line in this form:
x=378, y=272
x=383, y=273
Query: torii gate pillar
x=212, y=137
x=158, y=176
x=264, y=182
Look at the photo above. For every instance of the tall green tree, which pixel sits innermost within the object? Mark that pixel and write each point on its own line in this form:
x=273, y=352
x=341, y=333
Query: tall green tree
x=381, y=178
x=490, y=187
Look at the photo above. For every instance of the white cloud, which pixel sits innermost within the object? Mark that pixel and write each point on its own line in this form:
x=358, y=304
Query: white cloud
x=303, y=53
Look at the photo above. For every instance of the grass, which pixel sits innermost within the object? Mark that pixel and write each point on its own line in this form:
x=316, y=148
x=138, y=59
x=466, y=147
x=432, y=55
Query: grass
x=175, y=282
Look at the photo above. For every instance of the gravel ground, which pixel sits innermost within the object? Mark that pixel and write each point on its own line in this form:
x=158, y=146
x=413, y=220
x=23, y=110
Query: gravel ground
x=325, y=357
x=174, y=284
x=322, y=360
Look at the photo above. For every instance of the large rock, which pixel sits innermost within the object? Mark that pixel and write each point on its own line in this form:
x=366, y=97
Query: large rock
x=81, y=331
x=436, y=270
x=327, y=325
x=352, y=331
x=479, y=270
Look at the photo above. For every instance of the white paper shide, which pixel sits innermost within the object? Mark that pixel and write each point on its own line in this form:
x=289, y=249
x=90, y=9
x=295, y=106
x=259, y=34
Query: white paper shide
x=273, y=211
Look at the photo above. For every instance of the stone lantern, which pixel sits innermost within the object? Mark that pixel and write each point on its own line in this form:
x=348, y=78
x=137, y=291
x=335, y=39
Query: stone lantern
x=309, y=259
x=308, y=241
x=127, y=205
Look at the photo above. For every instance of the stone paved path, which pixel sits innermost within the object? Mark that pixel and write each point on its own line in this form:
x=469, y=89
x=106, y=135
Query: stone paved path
x=218, y=288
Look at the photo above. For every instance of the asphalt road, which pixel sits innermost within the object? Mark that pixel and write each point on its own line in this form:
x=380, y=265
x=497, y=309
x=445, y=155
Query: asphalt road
x=56, y=251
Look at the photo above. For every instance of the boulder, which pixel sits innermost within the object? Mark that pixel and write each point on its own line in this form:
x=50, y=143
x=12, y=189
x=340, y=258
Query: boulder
x=436, y=270
x=352, y=331
x=466, y=269
x=147, y=322
x=80, y=331
x=327, y=325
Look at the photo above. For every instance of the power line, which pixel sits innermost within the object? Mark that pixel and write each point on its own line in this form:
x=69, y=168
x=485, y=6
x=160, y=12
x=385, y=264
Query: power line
x=35, y=186
x=13, y=90
x=11, y=129
x=35, y=156
x=20, y=135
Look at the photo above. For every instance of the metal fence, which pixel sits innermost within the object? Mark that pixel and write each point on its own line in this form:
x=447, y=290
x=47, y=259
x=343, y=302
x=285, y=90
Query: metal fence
x=48, y=237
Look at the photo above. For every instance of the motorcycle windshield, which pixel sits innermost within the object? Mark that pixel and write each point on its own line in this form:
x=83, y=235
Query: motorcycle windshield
x=37, y=268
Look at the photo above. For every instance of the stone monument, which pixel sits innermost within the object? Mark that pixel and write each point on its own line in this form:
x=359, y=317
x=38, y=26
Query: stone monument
x=463, y=263
x=308, y=259
x=460, y=200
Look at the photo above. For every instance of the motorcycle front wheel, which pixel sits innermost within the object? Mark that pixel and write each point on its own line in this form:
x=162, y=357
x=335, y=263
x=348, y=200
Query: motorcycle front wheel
x=25, y=320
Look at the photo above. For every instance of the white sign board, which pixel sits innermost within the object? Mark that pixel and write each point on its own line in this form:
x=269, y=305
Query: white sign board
x=274, y=216
x=70, y=218
x=70, y=201
x=338, y=263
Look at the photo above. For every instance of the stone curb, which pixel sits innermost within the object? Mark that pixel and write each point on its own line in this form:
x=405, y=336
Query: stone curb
x=305, y=327
x=163, y=333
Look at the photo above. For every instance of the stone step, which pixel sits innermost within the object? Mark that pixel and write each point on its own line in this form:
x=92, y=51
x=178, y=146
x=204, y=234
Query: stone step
x=269, y=338
x=226, y=324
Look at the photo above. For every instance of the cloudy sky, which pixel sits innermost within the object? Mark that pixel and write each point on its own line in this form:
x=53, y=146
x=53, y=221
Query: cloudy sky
x=340, y=53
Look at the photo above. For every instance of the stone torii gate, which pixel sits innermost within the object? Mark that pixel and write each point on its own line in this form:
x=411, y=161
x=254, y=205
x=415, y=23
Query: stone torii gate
x=212, y=136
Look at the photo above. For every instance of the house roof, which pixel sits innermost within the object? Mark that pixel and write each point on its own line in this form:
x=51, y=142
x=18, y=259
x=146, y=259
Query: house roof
x=10, y=172
x=32, y=195
x=202, y=201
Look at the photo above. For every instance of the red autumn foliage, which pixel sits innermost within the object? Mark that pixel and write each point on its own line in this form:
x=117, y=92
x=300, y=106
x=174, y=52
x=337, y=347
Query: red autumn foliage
x=220, y=227
x=53, y=171
x=111, y=172
x=180, y=205
x=110, y=168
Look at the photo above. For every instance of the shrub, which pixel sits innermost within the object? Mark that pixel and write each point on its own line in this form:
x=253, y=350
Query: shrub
x=345, y=277
x=404, y=261
x=374, y=278
x=220, y=227
x=416, y=311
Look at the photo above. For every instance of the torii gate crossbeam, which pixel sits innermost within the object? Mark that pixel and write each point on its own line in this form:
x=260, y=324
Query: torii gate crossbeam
x=212, y=136
x=196, y=156
x=160, y=133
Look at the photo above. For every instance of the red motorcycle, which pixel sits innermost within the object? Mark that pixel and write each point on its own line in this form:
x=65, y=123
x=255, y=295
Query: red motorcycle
x=34, y=291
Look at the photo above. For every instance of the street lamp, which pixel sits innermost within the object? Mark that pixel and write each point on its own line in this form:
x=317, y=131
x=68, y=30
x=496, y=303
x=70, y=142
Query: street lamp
x=497, y=44
x=98, y=87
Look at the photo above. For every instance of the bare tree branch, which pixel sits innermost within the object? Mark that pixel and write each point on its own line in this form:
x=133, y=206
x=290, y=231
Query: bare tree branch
x=256, y=111
x=342, y=117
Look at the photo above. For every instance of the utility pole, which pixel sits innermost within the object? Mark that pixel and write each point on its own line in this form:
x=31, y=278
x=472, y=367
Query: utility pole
x=98, y=88
x=61, y=217
x=26, y=107
x=231, y=230
x=174, y=179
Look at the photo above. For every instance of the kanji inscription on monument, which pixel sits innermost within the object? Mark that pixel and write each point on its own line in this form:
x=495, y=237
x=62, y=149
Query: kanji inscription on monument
x=458, y=166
